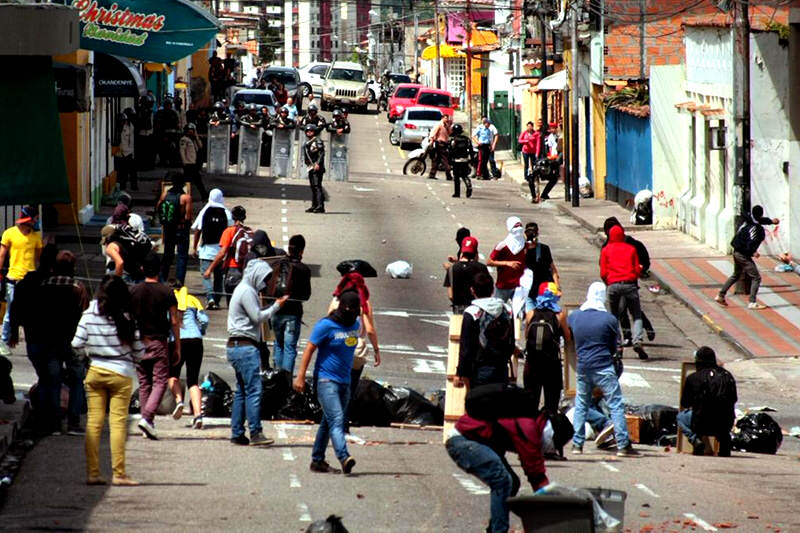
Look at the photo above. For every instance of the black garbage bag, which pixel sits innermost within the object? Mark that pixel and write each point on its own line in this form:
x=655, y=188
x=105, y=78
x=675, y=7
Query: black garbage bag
x=275, y=387
x=217, y=399
x=411, y=407
x=332, y=524
x=357, y=265
x=757, y=433
x=6, y=383
x=301, y=406
x=657, y=421
x=436, y=397
x=368, y=407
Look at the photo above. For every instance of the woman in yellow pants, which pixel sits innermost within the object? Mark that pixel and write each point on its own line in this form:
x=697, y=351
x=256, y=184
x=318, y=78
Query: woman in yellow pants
x=108, y=334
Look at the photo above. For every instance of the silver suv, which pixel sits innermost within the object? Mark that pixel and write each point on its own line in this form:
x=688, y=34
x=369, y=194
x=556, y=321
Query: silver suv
x=345, y=84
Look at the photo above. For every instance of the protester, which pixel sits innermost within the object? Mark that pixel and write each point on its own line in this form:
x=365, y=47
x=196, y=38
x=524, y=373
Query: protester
x=155, y=309
x=22, y=245
x=745, y=245
x=495, y=172
x=122, y=210
x=286, y=322
x=108, y=334
x=460, y=235
x=546, y=326
x=708, y=400
x=596, y=334
x=478, y=447
x=190, y=146
x=336, y=336
x=174, y=210
x=211, y=222
x=193, y=322
x=620, y=270
x=509, y=259
x=245, y=317
x=487, y=338
x=439, y=140
x=124, y=246
x=262, y=248
x=483, y=137
x=227, y=256
x=458, y=279
x=539, y=260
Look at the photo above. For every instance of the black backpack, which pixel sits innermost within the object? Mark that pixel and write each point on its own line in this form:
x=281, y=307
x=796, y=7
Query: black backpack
x=496, y=334
x=281, y=280
x=136, y=243
x=215, y=222
x=541, y=335
x=499, y=400
x=170, y=209
x=719, y=387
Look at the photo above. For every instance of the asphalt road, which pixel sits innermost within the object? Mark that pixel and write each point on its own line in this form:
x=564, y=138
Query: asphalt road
x=404, y=479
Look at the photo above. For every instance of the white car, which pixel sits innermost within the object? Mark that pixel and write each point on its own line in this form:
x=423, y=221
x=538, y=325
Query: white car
x=414, y=125
x=312, y=76
x=345, y=85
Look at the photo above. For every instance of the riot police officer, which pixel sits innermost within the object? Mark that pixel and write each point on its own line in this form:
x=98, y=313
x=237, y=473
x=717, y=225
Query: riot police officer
x=219, y=115
x=145, y=152
x=313, y=117
x=338, y=125
x=167, y=124
x=314, y=155
x=282, y=120
x=460, y=152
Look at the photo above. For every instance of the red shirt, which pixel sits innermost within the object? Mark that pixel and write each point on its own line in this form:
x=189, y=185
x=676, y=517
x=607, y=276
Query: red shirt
x=225, y=242
x=508, y=278
x=531, y=142
x=618, y=260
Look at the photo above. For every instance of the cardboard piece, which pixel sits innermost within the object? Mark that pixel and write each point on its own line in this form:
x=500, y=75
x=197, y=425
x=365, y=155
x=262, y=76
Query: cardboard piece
x=683, y=444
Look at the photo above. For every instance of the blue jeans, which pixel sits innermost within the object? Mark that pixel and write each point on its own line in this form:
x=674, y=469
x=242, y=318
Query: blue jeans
x=333, y=397
x=528, y=160
x=213, y=285
x=287, y=334
x=685, y=423
x=7, y=316
x=75, y=374
x=504, y=294
x=596, y=419
x=481, y=461
x=246, y=362
x=606, y=379
x=48, y=387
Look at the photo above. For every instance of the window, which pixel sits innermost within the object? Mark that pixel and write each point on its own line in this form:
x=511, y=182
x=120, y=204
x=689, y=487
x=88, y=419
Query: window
x=346, y=74
x=262, y=99
x=399, y=78
x=319, y=70
x=434, y=99
x=406, y=92
x=456, y=74
x=433, y=115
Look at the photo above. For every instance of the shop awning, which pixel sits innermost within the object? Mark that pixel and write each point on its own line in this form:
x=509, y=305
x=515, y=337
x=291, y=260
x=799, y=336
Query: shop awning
x=157, y=67
x=32, y=166
x=117, y=77
x=162, y=31
x=553, y=82
x=445, y=51
x=483, y=40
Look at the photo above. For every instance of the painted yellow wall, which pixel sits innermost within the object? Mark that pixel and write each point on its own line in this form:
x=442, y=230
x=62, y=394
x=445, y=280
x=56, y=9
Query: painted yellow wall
x=599, y=142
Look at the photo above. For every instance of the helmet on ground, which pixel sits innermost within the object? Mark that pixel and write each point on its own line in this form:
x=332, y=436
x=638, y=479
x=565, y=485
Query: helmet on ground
x=458, y=129
x=313, y=108
x=310, y=127
x=337, y=113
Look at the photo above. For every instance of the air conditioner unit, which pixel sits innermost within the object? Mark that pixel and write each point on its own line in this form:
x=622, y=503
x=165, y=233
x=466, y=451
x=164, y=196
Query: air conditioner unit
x=716, y=136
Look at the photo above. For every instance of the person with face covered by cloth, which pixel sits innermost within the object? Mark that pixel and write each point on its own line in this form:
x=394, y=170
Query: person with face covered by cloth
x=313, y=117
x=336, y=337
x=509, y=259
x=460, y=150
x=314, y=155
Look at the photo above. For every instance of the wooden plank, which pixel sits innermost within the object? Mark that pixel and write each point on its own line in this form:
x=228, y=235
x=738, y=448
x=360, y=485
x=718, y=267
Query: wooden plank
x=634, y=428
x=454, y=397
x=455, y=328
x=684, y=446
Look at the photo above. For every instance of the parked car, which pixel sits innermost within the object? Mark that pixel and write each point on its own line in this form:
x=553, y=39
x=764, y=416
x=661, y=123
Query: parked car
x=375, y=85
x=438, y=98
x=345, y=84
x=290, y=79
x=260, y=97
x=312, y=76
x=402, y=98
x=414, y=125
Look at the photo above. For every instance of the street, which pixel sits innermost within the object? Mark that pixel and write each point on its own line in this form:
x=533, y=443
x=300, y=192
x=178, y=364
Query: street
x=404, y=479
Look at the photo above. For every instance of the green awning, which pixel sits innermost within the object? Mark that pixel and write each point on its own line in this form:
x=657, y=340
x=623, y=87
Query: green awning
x=32, y=166
x=161, y=31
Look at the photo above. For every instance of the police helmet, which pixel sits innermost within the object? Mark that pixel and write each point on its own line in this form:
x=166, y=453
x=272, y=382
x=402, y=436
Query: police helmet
x=458, y=129
x=337, y=113
x=283, y=111
x=310, y=127
x=313, y=108
x=252, y=107
x=219, y=106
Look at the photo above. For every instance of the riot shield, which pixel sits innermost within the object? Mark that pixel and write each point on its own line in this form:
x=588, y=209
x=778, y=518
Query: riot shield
x=302, y=169
x=282, y=141
x=219, y=145
x=249, y=150
x=338, y=165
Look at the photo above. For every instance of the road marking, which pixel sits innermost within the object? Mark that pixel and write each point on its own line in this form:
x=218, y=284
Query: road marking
x=437, y=349
x=677, y=379
x=305, y=515
x=284, y=211
x=362, y=189
x=396, y=347
x=426, y=366
x=283, y=195
x=632, y=379
x=284, y=220
x=285, y=229
x=401, y=314
x=215, y=339
x=447, y=208
x=699, y=521
x=471, y=486
x=653, y=368
x=294, y=481
x=644, y=488
x=284, y=202
x=380, y=140
x=383, y=156
x=288, y=455
x=453, y=216
x=609, y=467
x=280, y=432
x=444, y=323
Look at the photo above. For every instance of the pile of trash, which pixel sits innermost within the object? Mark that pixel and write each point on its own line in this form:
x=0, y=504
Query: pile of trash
x=378, y=405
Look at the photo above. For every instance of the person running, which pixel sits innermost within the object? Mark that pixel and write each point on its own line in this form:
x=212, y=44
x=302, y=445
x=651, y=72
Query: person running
x=458, y=279
x=439, y=139
x=174, y=210
x=211, y=222
x=596, y=334
x=460, y=153
x=745, y=245
x=227, y=255
x=22, y=245
x=107, y=333
x=336, y=337
x=155, y=309
x=245, y=317
x=194, y=323
x=287, y=321
x=509, y=259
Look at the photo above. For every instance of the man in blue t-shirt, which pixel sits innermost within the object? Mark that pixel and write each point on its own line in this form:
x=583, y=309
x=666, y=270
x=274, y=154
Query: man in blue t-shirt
x=596, y=333
x=336, y=336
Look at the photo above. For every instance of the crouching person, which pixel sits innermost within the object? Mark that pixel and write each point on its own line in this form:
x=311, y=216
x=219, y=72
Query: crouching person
x=478, y=447
x=707, y=403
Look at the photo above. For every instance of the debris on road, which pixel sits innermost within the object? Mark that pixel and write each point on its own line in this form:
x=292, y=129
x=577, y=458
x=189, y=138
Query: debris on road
x=399, y=270
x=757, y=433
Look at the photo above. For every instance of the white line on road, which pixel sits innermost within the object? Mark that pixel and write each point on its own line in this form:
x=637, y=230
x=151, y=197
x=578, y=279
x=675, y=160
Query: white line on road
x=284, y=202
x=609, y=467
x=444, y=323
x=285, y=229
x=447, y=209
x=383, y=156
x=401, y=314
x=653, y=368
x=426, y=366
x=437, y=349
x=471, y=486
x=362, y=189
x=305, y=515
x=396, y=347
x=284, y=211
x=215, y=339
x=288, y=455
x=294, y=481
x=380, y=140
x=677, y=379
x=284, y=220
x=644, y=488
x=453, y=216
x=699, y=521
x=632, y=379
x=280, y=432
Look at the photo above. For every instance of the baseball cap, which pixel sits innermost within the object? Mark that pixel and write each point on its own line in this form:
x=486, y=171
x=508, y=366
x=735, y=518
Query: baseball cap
x=469, y=245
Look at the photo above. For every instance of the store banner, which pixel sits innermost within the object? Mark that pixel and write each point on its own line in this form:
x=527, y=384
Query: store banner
x=161, y=31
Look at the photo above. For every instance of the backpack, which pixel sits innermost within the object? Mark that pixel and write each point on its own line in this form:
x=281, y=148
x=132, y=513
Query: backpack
x=542, y=339
x=281, y=280
x=720, y=387
x=240, y=246
x=499, y=400
x=170, y=209
x=495, y=332
x=136, y=243
x=215, y=222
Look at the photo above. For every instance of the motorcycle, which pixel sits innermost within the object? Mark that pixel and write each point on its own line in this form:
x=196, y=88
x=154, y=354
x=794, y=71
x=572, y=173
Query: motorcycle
x=383, y=99
x=417, y=162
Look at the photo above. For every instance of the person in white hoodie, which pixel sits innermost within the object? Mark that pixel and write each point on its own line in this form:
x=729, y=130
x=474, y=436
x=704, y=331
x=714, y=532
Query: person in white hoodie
x=245, y=317
x=487, y=337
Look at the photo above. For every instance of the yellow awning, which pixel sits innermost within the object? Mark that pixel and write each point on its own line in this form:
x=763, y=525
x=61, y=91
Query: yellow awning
x=157, y=67
x=483, y=39
x=445, y=51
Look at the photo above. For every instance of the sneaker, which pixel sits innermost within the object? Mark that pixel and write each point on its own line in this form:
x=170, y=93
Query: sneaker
x=651, y=334
x=241, y=440
x=640, y=351
x=577, y=450
x=212, y=305
x=627, y=341
x=348, y=464
x=197, y=422
x=76, y=432
x=720, y=300
x=258, y=439
x=323, y=467
x=456, y=196
x=755, y=306
x=177, y=413
x=148, y=429
x=124, y=481
x=605, y=437
x=5, y=351
x=311, y=209
x=628, y=451
x=432, y=177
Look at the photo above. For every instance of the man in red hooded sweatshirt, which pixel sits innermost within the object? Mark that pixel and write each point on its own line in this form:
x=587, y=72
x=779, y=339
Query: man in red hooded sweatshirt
x=620, y=270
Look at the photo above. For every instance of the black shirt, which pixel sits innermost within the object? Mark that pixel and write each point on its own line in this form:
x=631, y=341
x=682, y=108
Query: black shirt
x=300, y=290
x=540, y=261
x=460, y=276
x=150, y=303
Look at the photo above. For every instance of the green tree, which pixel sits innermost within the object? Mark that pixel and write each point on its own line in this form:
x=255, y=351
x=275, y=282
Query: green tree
x=269, y=40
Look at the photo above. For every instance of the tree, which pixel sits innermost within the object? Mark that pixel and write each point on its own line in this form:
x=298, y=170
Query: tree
x=269, y=39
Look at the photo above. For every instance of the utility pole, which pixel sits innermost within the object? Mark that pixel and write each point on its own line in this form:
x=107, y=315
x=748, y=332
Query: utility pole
x=741, y=109
x=416, y=46
x=468, y=73
x=574, y=129
x=543, y=35
x=438, y=45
